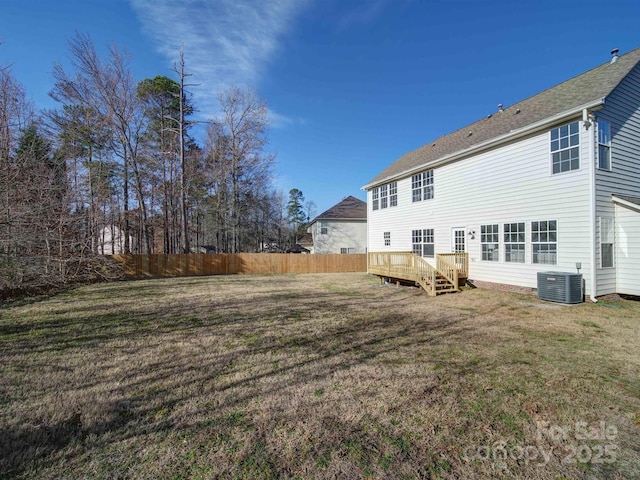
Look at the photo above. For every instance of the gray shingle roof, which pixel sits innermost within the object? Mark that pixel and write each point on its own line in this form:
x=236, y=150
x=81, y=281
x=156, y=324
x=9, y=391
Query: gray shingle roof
x=350, y=208
x=589, y=87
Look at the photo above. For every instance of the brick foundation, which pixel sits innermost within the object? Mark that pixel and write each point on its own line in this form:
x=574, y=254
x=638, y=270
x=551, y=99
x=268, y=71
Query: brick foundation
x=504, y=287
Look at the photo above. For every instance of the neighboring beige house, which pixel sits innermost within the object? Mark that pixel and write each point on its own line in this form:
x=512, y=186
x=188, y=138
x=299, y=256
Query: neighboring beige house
x=341, y=229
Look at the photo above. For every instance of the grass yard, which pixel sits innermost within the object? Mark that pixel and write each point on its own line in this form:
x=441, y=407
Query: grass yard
x=316, y=376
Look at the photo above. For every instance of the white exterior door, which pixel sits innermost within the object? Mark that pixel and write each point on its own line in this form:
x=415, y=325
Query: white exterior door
x=458, y=240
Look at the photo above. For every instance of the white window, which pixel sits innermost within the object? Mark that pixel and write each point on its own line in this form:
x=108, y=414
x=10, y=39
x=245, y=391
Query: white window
x=346, y=250
x=422, y=186
x=393, y=194
x=387, y=239
x=423, y=242
x=324, y=228
x=490, y=241
x=514, y=241
x=606, y=242
x=565, y=152
x=383, y=196
x=604, y=145
x=544, y=242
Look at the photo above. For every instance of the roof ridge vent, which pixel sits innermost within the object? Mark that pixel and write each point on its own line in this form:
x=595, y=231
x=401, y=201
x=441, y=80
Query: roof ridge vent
x=614, y=55
x=500, y=109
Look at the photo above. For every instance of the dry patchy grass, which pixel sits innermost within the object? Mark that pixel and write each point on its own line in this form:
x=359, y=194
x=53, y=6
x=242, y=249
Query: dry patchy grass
x=316, y=376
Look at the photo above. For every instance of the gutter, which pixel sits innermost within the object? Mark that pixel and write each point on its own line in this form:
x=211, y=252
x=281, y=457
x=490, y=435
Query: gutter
x=494, y=142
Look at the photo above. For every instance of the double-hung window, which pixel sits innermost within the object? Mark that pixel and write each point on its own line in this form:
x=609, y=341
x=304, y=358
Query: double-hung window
x=490, y=241
x=385, y=196
x=393, y=194
x=324, y=227
x=565, y=150
x=606, y=242
x=514, y=242
x=423, y=242
x=544, y=242
x=604, y=145
x=387, y=239
x=422, y=186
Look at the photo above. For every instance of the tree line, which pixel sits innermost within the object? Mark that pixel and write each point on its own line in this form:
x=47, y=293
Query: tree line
x=115, y=169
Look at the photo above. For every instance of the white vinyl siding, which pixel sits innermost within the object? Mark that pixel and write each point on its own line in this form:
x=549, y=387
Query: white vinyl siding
x=622, y=111
x=519, y=189
x=627, y=232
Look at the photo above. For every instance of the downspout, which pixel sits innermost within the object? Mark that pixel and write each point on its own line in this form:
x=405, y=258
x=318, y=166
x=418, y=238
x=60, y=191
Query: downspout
x=588, y=122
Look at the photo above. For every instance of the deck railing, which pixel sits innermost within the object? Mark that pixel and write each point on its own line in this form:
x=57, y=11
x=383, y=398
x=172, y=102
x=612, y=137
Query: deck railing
x=460, y=260
x=404, y=266
x=447, y=270
x=411, y=267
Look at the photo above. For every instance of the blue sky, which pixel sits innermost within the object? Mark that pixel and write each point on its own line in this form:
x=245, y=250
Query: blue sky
x=352, y=85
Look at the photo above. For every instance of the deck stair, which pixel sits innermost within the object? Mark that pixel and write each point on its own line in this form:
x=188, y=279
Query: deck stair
x=448, y=274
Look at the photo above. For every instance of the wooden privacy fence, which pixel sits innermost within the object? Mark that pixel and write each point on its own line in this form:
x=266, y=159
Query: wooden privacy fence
x=180, y=265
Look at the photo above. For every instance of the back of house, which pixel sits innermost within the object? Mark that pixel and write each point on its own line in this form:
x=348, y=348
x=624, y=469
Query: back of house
x=551, y=183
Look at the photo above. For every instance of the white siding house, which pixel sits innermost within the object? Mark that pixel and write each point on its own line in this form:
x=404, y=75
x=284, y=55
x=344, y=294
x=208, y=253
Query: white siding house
x=529, y=188
x=341, y=229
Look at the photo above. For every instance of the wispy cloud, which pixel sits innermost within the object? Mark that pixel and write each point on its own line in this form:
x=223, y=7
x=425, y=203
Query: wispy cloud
x=362, y=13
x=225, y=42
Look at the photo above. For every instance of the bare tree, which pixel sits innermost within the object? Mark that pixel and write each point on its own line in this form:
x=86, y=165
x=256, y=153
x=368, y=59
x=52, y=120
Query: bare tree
x=239, y=164
x=108, y=88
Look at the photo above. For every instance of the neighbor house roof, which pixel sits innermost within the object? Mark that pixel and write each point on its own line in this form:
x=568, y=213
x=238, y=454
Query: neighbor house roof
x=586, y=90
x=350, y=208
x=304, y=239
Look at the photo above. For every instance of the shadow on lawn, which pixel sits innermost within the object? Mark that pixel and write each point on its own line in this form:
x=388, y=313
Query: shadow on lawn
x=363, y=334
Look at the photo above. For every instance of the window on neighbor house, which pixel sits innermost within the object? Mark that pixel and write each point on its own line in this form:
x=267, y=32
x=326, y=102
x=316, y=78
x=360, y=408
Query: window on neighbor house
x=490, y=241
x=604, y=145
x=345, y=250
x=544, y=242
x=422, y=186
x=387, y=239
x=565, y=150
x=324, y=227
x=514, y=241
x=606, y=242
x=423, y=242
x=384, y=200
x=375, y=195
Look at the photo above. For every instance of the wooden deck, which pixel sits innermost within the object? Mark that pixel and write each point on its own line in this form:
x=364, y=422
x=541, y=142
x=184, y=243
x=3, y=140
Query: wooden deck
x=449, y=273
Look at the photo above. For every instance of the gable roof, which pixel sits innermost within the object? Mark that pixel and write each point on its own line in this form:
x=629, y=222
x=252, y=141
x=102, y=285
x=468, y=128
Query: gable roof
x=586, y=90
x=350, y=208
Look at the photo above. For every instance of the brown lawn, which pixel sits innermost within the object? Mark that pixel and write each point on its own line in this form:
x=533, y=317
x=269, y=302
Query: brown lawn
x=316, y=376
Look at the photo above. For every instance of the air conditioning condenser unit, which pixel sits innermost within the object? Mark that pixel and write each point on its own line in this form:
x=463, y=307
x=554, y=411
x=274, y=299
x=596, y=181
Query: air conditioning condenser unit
x=562, y=287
